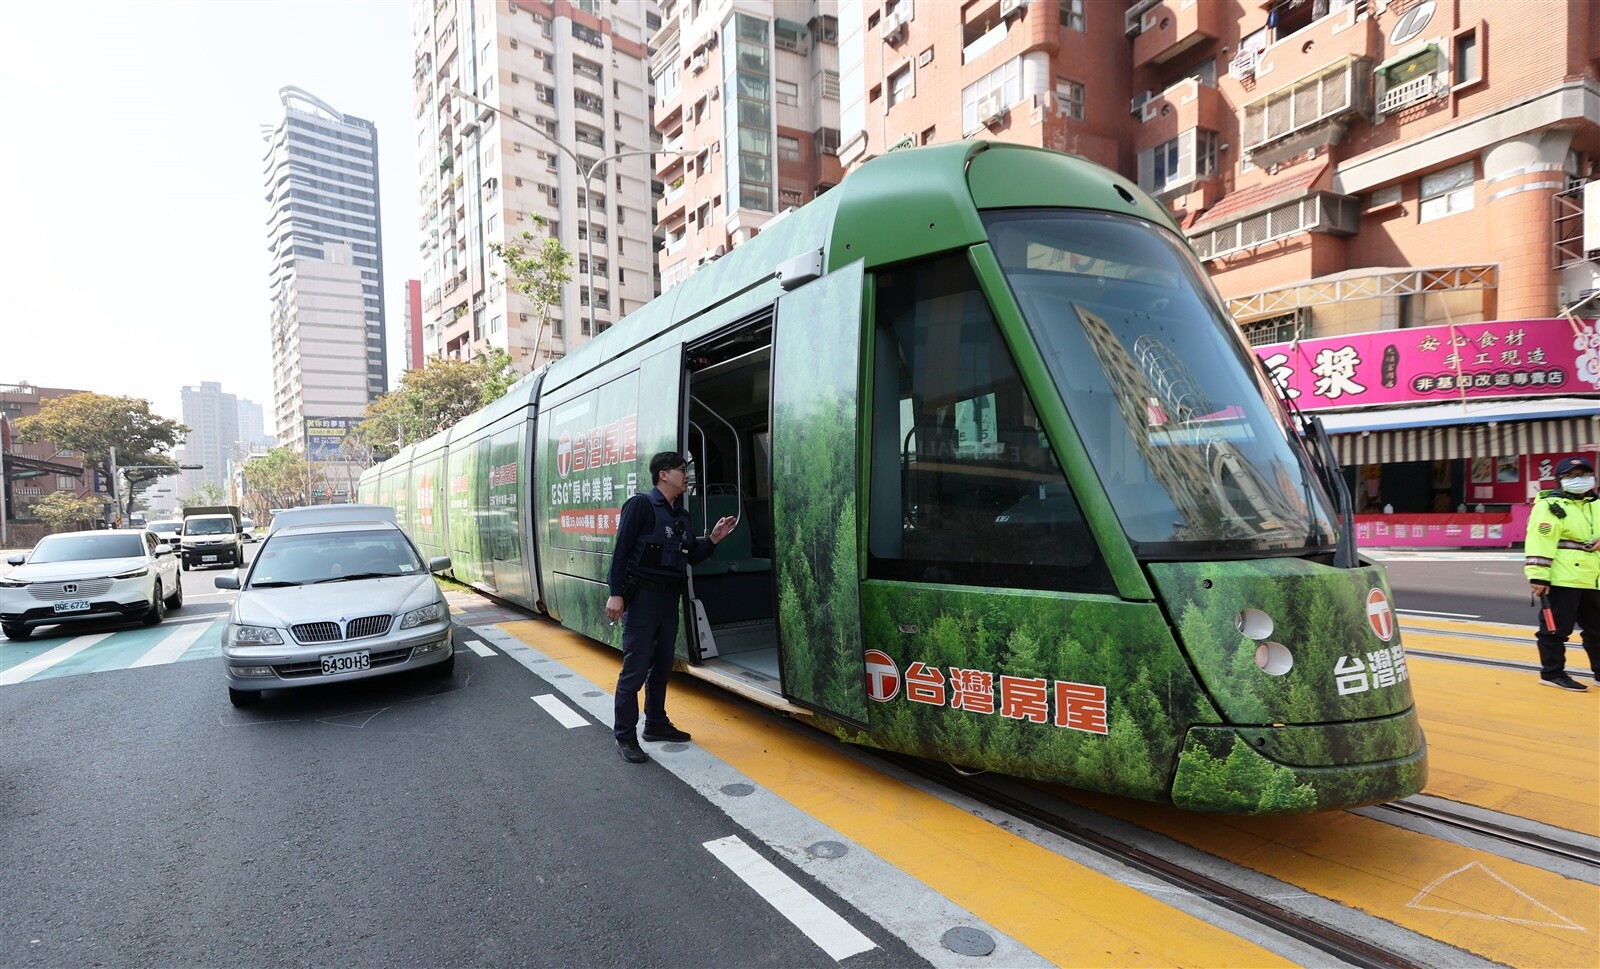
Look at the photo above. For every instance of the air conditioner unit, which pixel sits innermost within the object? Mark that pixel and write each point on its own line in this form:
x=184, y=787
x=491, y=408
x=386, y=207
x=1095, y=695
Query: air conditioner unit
x=699, y=62
x=990, y=108
x=893, y=28
x=1009, y=7
x=523, y=317
x=1136, y=106
x=1244, y=64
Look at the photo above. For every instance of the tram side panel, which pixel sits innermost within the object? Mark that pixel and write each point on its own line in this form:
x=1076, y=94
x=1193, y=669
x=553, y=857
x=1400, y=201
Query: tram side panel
x=427, y=481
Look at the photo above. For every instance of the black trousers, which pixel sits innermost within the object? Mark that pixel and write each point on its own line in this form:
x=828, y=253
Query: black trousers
x=1569, y=607
x=649, y=631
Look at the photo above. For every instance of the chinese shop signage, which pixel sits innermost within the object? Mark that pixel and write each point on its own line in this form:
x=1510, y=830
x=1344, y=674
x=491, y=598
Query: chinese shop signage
x=1516, y=358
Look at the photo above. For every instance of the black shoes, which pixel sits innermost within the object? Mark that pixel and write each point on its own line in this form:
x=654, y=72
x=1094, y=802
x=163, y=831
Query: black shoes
x=630, y=751
x=1562, y=682
x=668, y=733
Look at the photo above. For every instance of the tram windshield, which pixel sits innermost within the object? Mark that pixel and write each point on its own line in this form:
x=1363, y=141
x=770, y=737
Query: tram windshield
x=1198, y=459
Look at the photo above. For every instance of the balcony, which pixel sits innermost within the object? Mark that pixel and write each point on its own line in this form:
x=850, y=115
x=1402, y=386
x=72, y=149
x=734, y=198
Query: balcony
x=1332, y=37
x=1187, y=104
x=1170, y=28
x=1568, y=242
x=1313, y=112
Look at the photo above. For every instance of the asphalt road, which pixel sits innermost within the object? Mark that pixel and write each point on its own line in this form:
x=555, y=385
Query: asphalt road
x=405, y=821
x=1486, y=588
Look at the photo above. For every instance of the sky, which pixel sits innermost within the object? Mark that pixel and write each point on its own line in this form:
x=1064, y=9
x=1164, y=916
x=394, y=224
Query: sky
x=133, y=253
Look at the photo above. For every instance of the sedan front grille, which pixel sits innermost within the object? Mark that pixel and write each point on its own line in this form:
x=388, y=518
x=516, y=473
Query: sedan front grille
x=316, y=632
x=329, y=632
x=56, y=591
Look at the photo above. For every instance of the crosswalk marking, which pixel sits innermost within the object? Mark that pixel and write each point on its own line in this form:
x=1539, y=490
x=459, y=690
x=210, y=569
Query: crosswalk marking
x=565, y=715
x=172, y=647
x=838, y=938
x=49, y=658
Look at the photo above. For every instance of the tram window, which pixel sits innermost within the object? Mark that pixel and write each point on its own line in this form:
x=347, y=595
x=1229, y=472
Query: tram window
x=965, y=486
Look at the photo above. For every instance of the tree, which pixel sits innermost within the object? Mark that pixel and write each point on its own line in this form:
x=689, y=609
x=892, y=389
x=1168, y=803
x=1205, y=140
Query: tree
x=209, y=494
x=280, y=479
x=537, y=266
x=433, y=399
x=93, y=424
x=62, y=508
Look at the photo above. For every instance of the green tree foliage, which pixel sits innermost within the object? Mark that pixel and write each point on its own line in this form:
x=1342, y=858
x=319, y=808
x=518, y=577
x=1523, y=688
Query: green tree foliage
x=93, y=424
x=59, y=509
x=280, y=479
x=209, y=494
x=537, y=266
x=433, y=399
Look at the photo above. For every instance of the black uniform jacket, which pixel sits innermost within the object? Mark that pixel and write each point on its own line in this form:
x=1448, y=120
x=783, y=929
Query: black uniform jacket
x=655, y=542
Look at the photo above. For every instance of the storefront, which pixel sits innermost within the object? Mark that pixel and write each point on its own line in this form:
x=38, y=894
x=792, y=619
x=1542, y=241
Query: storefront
x=1447, y=432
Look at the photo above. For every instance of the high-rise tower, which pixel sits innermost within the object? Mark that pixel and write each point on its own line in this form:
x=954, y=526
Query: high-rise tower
x=322, y=186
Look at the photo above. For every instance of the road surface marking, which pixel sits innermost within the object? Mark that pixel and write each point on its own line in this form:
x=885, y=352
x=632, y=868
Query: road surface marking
x=564, y=714
x=477, y=646
x=838, y=938
x=171, y=648
x=49, y=658
x=1430, y=612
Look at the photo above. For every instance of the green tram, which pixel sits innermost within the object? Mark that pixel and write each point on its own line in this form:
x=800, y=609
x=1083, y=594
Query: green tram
x=1013, y=495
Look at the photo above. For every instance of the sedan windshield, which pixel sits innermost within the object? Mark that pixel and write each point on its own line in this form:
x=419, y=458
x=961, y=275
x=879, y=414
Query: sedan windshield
x=1177, y=417
x=288, y=559
x=84, y=546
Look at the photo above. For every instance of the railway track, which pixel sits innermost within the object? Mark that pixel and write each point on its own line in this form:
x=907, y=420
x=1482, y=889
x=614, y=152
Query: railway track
x=1347, y=947
x=1463, y=821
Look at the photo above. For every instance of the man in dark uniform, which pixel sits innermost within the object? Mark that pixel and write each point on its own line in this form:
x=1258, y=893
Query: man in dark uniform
x=655, y=547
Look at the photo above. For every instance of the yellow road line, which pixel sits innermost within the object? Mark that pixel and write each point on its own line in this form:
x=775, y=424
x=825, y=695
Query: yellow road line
x=1064, y=911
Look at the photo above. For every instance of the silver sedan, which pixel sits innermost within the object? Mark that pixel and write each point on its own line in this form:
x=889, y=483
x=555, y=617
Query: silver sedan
x=333, y=603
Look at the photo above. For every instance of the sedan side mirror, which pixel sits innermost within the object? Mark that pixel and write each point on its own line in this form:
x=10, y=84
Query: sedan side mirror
x=226, y=581
x=439, y=563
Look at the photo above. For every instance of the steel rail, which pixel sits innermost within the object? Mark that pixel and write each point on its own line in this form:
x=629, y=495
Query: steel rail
x=1344, y=946
x=1524, y=839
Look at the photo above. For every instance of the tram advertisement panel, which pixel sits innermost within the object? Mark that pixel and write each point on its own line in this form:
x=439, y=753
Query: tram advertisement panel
x=592, y=447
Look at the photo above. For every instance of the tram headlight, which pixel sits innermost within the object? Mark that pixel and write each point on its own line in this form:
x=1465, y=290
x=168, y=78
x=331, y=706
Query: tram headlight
x=1254, y=624
x=1274, y=659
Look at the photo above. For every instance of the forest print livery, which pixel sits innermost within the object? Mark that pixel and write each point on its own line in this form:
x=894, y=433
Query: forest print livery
x=1012, y=493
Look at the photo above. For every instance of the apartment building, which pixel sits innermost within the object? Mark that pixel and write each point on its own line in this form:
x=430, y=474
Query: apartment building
x=567, y=89
x=747, y=102
x=322, y=187
x=29, y=472
x=319, y=334
x=212, y=417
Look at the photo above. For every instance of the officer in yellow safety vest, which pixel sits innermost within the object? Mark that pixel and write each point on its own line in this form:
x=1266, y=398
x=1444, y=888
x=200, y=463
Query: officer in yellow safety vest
x=1562, y=550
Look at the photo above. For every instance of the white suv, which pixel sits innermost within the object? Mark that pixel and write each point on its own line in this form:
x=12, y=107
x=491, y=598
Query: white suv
x=87, y=576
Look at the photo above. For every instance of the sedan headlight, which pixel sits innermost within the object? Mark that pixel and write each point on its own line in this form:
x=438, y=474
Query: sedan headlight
x=423, y=616
x=143, y=570
x=254, y=636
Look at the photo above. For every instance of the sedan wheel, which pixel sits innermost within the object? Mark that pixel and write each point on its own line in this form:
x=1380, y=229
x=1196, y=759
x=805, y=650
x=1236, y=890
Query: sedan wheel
x=15, y=630
x=158, y=608
x=243, y=698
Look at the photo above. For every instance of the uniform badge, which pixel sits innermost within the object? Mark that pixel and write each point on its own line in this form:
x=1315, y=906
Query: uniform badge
x=1544, y=528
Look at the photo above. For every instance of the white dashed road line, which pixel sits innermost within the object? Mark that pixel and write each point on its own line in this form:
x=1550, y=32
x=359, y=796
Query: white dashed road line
x=49, y=658
x=838, y=938
x=476, y=646
x=564, y=715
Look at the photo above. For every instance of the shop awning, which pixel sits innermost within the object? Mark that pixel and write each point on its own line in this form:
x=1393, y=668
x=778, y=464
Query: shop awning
x=1443, y=432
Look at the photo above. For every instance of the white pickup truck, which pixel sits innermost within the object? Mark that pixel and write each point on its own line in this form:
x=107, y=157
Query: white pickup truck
x=212, y=536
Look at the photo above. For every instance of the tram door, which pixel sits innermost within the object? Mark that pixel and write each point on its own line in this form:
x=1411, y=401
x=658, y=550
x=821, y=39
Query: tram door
x=815, y=471
x=733, y=610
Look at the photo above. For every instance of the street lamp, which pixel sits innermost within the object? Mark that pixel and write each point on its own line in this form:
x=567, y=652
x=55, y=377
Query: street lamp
x=116, y=476
x=586, y=175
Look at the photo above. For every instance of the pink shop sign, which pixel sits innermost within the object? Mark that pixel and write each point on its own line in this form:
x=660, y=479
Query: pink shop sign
x=1507, y=358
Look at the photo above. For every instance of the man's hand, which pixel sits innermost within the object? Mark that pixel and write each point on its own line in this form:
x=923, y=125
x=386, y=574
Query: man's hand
x=614, y=608
x=1539, y=588
x=725, y=526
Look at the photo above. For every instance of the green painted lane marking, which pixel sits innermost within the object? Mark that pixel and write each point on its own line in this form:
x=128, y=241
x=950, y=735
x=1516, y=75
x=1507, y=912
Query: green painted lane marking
x=119, y=649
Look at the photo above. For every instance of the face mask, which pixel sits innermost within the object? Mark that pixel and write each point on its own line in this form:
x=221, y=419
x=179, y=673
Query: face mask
x=1578, y=486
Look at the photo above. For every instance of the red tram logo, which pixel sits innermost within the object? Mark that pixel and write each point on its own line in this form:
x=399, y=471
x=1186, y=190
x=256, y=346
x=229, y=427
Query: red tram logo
x=883, y=676
x=1379, y=616
x=564, y=455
